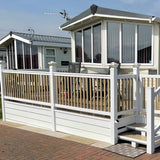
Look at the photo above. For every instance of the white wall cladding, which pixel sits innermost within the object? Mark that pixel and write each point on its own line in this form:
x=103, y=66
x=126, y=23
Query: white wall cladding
x=83, y=125
x=28, y=114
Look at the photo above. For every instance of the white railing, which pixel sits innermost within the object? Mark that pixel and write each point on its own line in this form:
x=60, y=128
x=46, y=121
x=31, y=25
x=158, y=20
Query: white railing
x=106, y=95
x=153, y=140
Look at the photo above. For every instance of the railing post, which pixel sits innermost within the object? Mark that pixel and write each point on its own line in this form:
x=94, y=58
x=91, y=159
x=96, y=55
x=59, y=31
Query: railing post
x=52, y=68
x=2, y=66
x=150, y=120
x=136, y=91
x=113, y=81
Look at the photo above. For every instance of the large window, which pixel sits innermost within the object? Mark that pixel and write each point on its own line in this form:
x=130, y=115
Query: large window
x=87, y=44
x=144, y=44
x=34, y=57
x=27, y=57
x=113, y=42
x=97, y=43
x=78, y=45
x=11, y=55
x=19, y=55
x=128, y=43
x=90, y=50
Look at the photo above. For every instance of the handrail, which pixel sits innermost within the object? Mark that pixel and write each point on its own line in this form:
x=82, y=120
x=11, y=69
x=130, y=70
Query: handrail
x=157, y=91
x=79, y=75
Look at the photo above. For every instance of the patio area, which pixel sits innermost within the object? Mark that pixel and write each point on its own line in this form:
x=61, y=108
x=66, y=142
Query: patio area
x=42, y=145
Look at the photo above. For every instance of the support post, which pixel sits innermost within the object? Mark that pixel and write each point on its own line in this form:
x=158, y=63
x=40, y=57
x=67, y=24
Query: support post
x=136, y=92
x=52, y=69
x=113, y=81
x=2, y=66
x=150, y=120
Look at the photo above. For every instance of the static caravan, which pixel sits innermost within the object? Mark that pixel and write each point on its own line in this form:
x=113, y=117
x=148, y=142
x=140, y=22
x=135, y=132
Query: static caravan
x=32, y=51
x=100, y=36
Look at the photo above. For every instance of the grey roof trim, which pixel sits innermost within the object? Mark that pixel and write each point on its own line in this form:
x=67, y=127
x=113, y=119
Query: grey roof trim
x=49, y=44
x=96, y=10
x=44, y=39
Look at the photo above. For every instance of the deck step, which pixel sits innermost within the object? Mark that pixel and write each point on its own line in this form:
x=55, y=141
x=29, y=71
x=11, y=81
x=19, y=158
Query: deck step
x=133, y=136
x=138, y=127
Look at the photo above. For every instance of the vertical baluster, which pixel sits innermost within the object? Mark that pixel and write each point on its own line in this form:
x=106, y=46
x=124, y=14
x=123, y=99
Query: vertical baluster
x=65, y=92
x=90, y=92
x=94, y=103
x=59, y=84
x=77, y=89
x=144, y=97
x=68, y=90
x=84, y=104
x=97, y=94
x=74, y=92
x=129, y=91
x=156, y=96
x=131, y=102
x=80, y=83
x=101, y=107
x=71, y=92
x=105, y=89
x=119, y=106
x=62, y=90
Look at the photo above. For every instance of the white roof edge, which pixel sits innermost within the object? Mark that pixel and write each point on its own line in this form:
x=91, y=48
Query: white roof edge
x=77, y=21
x=112, y=16
x=21, y=39
x=5, y=39
x=15, y=37
x=123, y=17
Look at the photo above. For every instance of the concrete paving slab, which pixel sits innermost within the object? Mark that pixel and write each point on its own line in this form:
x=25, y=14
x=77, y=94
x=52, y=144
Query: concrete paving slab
x=100, y=144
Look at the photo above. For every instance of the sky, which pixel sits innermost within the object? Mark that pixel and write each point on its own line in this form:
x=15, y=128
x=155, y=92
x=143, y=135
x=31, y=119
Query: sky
x=20, y=15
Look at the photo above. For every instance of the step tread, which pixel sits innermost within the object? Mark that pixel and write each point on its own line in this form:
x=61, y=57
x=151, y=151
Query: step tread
x=138, y=127
x=133, y=136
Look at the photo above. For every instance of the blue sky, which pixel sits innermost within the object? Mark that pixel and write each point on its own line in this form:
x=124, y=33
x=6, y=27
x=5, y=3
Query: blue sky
x=19, y=15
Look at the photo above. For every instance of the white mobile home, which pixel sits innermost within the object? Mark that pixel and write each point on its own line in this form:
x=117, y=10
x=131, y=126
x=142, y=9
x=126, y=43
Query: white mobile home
x=100, y=36
x=32, y=51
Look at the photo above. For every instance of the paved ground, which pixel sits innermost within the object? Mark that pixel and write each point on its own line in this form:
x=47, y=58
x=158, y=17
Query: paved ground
x=18, y=144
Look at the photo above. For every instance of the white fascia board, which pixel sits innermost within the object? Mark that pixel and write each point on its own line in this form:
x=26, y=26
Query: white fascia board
x=15, y=37
x=5, y=39
x=123, y=17
x=63, y=28
x=108, y=16
x=21, y=39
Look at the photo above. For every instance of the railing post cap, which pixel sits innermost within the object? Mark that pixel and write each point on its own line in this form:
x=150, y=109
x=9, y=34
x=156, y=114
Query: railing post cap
x=52, y=63
x=114, y=65
x=2, y=62
x=137, y=65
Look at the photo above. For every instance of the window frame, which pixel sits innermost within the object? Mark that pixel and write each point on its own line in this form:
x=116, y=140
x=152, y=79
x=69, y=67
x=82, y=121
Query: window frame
x=81, y=29
x=136, y=42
